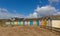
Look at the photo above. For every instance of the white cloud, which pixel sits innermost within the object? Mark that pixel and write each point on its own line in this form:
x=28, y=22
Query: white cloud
x=53, y=1
x=33, y=15
x=38, y=12
x=14, y=11
x=58, y=13
x=3, y=10
x=46, y=10
x=4, y=13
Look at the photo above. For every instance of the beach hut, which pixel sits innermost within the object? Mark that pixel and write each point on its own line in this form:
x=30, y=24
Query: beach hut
x=34, y=22
x=2, y=22
x=18, y=22
x=21, y=22
x=25, y=23
x=49, y=23
x=15, y=22
x=7, y=23
x=31, y=22
x=28, y=22
x=37, y=22
x=54, y=21
x=10, y=23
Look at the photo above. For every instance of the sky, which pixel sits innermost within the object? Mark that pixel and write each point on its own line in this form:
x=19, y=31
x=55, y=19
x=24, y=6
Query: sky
x=28, y=8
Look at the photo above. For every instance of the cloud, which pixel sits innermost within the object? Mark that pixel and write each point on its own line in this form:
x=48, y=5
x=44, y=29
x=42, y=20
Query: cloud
x=14, y=11
x=46, y=10
x=53, y=1
x=58, y=13
x=33, y=15
x=3, y=10
x=38, y=12
x=4, y=14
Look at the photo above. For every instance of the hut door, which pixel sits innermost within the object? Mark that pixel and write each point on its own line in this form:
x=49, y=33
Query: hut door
x=26, y=23
x=21, y=23
x=37, y=22
x=10, y=23
x=31, y=22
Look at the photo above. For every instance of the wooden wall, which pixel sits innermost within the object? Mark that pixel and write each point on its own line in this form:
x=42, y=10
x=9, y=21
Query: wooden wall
x=56, y=23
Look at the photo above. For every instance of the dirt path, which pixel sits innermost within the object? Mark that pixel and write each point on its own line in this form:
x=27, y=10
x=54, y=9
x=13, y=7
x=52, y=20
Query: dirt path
x=25, y=31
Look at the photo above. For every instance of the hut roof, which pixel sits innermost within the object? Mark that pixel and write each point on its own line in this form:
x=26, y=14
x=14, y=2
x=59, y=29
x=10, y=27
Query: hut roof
x=53, y=17
x=20, y=19
x=32, y=18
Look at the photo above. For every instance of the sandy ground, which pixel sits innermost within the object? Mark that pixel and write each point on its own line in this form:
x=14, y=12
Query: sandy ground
x=26, y=31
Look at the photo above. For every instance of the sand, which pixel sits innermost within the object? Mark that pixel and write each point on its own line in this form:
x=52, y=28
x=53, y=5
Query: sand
x=26, y=31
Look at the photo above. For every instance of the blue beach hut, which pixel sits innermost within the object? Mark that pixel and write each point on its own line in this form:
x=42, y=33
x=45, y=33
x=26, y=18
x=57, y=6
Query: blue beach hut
x=31, y=23
x=37, y=22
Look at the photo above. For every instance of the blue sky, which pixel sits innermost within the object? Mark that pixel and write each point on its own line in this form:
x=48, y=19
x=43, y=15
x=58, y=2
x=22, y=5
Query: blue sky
x=21, y=6
x=28, y=8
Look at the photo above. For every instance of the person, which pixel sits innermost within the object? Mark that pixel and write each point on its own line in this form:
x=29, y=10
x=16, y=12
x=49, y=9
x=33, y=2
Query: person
x=45, y=23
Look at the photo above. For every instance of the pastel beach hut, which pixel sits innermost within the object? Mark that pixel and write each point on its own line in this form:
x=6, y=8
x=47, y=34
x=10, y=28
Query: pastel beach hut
x=15, y=22
x=18, y=22
x=31, y=22
x=7, y=23
x=10, y=23
x=34, y=22
x=21, y=23
x=26, y=23
x=37, y=22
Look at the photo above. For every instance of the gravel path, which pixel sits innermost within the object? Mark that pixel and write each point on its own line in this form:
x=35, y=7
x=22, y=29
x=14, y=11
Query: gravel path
x=26, y=31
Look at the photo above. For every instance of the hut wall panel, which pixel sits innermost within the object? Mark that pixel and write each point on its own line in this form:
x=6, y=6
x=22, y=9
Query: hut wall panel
x=42, y=22
x=39, y=22
x=18, y=22
x=15, y=23
x=7, y=23
x=2, y=23
x=49, y=23
x=34, y=22
x=56, y=23
x=26, y=22
x=31, y=22
x=11, y=22
x=21, y=22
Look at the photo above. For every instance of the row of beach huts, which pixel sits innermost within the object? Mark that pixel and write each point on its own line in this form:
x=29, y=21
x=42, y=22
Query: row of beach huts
x=48, y=21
